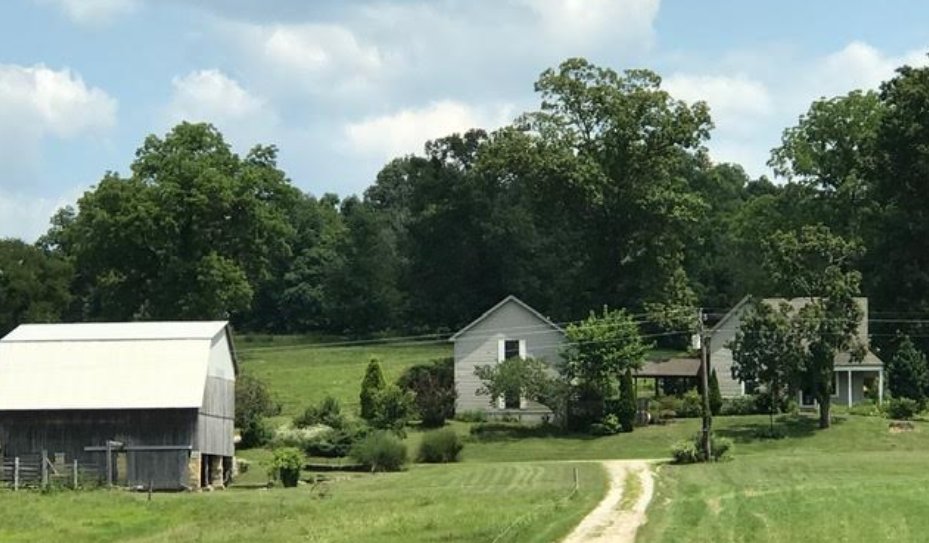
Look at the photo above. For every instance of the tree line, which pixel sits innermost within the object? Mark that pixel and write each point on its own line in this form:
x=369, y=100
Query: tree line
x=603, y=195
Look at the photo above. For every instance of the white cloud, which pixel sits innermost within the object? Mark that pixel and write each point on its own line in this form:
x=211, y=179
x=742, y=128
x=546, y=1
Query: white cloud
x=37, y=103
x=320, y=58
x=211, y=96
x=406, y=131
x=27, y=216
x=584, y=21
x=858, y=66
x=737, y=103
x=93, y=12
x=50, y=101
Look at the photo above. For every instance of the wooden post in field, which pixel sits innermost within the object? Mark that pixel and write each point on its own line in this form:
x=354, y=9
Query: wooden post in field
x=74, y=474
x=109, y=464
x=16, y=473
x=43, y=468
x=577, y=480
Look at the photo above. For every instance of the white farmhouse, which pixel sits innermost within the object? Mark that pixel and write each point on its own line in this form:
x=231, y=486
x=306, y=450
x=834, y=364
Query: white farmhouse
x=509, y=329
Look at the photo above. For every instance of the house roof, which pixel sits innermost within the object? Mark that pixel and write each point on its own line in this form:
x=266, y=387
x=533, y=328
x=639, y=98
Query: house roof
x=670, y=367
x=109, y=365
x=500, y=304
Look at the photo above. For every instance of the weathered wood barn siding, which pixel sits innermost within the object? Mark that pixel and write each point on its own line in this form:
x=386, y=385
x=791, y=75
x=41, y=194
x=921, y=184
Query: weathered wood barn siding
x=216, y=419
x=169, y=433
x=165, y=392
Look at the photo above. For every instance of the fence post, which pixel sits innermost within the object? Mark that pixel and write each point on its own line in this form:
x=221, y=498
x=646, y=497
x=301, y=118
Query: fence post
x=16, y=473
x=109, y=464
x=74, y=474
x=44, y=468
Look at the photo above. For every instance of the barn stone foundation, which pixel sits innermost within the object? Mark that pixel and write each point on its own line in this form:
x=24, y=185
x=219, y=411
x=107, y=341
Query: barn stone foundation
x=216, y=471
x=193, y=471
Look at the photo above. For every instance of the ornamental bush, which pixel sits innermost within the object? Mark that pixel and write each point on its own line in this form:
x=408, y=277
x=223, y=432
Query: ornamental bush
x=285, y=466
x=372, y=383
x=380, y=451
x=902, y=408
x=691, y=452
x=328, y=413
x=440, y=447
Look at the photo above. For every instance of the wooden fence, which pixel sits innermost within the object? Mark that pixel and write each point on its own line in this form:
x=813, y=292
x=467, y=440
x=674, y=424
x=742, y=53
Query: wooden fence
x=40, y=471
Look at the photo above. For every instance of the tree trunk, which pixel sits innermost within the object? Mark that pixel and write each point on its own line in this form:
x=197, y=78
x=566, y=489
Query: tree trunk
x=825, y=420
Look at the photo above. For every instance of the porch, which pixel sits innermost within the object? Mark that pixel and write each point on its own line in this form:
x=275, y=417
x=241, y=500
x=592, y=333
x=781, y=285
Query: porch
x=851, y=385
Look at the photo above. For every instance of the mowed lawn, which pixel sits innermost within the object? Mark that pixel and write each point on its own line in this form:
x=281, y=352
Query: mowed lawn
x=300, y=375
x=854, y=482
x=527, y=503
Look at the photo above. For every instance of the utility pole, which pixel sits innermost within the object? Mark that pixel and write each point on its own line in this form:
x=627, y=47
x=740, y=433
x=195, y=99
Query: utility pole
x=704, y=378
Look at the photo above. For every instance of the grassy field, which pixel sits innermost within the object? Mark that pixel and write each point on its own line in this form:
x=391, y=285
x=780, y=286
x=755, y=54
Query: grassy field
x=456, y=503
x=301, y=374
x=854, y=482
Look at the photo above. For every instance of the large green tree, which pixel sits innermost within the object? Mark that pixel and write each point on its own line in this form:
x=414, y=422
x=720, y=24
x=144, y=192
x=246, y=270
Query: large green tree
x=818, y=266
x=191, y=234
x=34, y=285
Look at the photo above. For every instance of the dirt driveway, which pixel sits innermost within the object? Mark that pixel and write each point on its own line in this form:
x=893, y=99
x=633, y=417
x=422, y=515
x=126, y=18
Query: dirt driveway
x=615, y=520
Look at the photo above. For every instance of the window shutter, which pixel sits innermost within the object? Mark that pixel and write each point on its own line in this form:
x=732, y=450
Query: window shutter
x=501, y=402
x=501, y=350
x=522, y=402
x=522, y=348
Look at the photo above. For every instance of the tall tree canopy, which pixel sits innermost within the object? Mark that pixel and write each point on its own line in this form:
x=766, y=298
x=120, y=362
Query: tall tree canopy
x=34, y=285
x=192, y=233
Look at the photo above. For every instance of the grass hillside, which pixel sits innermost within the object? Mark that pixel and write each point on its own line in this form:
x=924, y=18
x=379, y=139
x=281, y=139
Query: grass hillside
x=301, y=374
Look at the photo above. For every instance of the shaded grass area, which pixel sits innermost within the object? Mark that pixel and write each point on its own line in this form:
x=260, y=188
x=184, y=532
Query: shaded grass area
x=462, y=503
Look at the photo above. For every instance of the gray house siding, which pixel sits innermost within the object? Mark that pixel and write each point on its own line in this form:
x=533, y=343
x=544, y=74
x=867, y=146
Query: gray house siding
x=721, y=356
x=479, y=346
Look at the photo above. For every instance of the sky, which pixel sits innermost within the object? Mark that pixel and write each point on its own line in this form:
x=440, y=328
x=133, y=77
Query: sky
x=341, y=87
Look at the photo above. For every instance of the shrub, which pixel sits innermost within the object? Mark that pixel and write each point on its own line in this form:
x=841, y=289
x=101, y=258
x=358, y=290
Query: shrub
x=392, y=408
x=902, y=408
x=716, y=398
x=440, y=446
x=372, y=383
x=626, y=409
x=475, y=415
x=433, y=386
x=741, y=405
x=255, y=433
x=685, y=452
x=607, y=426
x=285, y=466
x=866, y=408
x=764, y=400
x=690, y=452
x=336, y=442
x=328, y=413
x=290, y=436
x=380, y=451
x=691, y=405
x=253, y=400
x=253, y=403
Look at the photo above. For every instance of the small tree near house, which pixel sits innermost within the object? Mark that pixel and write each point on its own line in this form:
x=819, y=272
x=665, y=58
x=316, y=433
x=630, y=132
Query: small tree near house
x=766, y=350
x=527, y=378
x=371, y=385
x=627, y=407
x=908, y=372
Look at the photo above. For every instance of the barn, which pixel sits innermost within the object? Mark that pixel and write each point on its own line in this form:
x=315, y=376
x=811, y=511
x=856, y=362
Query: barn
x=145, y=404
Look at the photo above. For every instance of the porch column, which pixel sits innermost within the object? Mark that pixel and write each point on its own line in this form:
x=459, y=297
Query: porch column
x=849, y=388
x=880, y=386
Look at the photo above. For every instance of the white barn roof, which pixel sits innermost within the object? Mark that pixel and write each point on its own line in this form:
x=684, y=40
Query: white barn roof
x=143, y=365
